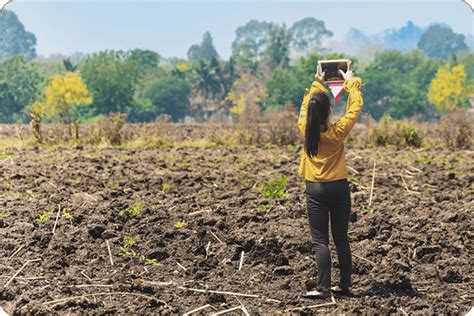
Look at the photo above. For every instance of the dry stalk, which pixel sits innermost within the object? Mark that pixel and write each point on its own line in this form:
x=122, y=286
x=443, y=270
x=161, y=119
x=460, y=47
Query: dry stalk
x=406, y=187
x=217, y=238
x=367, y=260
x=197, y=310
x=217, y=292
x=372, y=185
x=87, y=277
x=241, y=260
x=92, y=285
x=57, y=218
x=110, y=253
x=333, y=302
x=64, y=300
x=17, y=251
x=353, y=170
x=199, y=212
x=227, y=310
x=207, y=249
x=19, y=270
x=182, y=267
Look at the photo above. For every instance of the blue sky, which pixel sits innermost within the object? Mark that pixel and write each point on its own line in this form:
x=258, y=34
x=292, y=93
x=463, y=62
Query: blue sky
x=171, y=27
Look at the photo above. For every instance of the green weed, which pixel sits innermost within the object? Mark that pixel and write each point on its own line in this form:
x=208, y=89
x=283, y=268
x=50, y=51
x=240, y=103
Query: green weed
x=67, y=213
x=132, y=211
x=5, y=154
x=148, y=260
x=366, y=209
x=180, y=225
x=274, y=188
x=44, y=216
x=126, y=243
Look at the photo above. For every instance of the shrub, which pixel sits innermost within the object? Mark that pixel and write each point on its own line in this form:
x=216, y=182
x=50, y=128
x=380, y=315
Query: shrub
x=112, y=127
x=410, y=135
x=248, y=128
x=379, y=134
x=455, y=129
x=395, y=133
x=283, y=125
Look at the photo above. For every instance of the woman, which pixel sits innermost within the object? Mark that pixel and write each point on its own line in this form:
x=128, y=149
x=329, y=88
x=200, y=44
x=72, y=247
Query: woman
x=323, y=166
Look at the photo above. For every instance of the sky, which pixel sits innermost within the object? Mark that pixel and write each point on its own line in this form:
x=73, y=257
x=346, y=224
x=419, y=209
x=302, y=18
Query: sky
x=171, y=27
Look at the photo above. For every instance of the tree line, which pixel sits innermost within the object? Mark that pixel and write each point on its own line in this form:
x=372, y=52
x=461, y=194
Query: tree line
x=262, y=72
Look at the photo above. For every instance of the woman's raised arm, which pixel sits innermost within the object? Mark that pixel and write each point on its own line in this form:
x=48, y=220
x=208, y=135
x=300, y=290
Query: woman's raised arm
x=354, y=106
x=316, y=87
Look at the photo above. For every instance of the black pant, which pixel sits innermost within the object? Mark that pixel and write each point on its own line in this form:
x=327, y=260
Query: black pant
x=324, y=200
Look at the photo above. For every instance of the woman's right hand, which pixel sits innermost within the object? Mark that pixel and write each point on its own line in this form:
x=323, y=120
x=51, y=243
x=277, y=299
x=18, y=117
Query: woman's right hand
x=348, y=75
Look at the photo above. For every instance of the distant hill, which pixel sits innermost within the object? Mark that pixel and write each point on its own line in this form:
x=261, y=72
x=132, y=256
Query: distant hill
x=364, y=46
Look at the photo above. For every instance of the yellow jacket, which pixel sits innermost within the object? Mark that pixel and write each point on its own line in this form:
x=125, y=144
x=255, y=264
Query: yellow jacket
x=330, y=162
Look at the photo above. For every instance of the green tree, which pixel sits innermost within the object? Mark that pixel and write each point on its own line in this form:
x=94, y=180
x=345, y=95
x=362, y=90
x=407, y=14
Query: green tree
x=440, y=42
x=14, y=39
x=245, y=59
x=20, y=83
x=253, y=35
x=282, y=88
x=308, y=32
x=397, y=84
x=277, y=52
x=169, y=96
x=468, y=61
x=204, y=51
x=111, y=77
x=146, y=59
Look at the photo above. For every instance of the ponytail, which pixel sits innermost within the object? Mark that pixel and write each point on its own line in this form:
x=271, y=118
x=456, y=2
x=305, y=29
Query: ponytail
x=317, y=118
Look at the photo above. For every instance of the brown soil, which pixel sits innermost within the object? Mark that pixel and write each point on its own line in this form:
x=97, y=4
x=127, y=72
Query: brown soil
x=412, y=251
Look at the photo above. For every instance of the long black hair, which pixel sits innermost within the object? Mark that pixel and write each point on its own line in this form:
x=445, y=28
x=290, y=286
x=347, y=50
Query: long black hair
x=319, y=108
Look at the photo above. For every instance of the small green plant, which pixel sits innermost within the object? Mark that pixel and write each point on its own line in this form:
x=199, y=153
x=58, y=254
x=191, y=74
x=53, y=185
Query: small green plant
x=132, y=211
x=275, y=188
x=44, y=216
x=184, y=165
x=126, y=243
x=180, y=225
x=366, y=209
x=67, y=213
x=148, y=260
x=165, y=187
x=5, y=154
x=263, y=207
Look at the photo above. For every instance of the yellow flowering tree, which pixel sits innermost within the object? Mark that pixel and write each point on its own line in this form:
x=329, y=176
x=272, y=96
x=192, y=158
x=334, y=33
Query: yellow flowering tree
x=246, y=93
x=63, y=94
x=449, y=89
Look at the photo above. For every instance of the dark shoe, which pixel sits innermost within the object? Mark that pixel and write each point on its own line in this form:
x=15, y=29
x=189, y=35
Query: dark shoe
x=342, y=291
x=315, y=294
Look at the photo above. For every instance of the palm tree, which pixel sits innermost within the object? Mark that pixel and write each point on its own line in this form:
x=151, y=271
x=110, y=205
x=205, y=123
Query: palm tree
x=208, y=83
x=68, y=65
